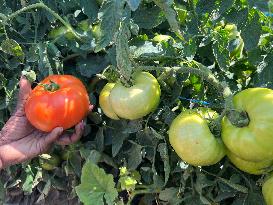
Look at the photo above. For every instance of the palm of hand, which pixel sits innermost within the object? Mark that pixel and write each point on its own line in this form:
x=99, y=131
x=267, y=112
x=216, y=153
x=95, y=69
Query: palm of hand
x=20, y=141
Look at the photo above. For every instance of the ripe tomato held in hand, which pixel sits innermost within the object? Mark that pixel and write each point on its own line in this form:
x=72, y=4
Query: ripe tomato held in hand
x=192, y=140
x=64, y=103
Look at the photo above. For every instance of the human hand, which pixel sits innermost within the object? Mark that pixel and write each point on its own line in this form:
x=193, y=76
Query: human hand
x=20, y=141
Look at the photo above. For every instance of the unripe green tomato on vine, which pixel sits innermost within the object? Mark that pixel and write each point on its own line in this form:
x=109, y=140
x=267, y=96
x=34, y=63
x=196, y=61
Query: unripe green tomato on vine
x=49, y=162
x=192, y=140
x=96, y=31
x=256, y=168
x=61, y=31
x=83, y=26
x=161, y=38
x=254, y=141
x=118, y=101
x=268, y=190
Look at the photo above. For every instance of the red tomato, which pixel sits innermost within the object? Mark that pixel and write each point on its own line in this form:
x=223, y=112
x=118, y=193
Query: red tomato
x=64, y=107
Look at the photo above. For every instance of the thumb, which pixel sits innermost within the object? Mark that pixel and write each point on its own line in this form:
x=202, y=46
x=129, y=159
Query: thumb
x=53, y=135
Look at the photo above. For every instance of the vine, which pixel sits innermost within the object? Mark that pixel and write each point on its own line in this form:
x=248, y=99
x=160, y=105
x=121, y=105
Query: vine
x=238, y=118
x=41, y=5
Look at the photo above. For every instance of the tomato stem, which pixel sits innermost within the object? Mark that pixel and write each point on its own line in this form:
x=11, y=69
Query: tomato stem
x=51, y=87
x=238, y=119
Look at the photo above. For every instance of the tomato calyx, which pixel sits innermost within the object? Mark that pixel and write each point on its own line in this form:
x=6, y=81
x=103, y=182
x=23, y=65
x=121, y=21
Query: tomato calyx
x=238, y=118
x=51, y=87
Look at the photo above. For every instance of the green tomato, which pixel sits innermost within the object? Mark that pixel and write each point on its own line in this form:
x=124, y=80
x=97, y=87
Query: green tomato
x=96, y=31
x=161, y=38
x=193, y=141
x=49, y=162
x=118, y=101
x=256, y=168
x=61, y=31
x=104, y=100
x=85, y=25
x=268, y=190
x=253, y=142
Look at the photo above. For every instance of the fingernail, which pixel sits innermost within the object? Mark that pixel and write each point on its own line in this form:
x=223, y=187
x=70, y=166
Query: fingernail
x=23, y=77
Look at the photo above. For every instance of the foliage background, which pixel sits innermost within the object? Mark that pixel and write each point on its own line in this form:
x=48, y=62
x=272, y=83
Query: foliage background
x=154, y=173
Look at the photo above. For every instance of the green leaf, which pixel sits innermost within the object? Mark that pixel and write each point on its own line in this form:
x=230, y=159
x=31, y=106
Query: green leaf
x=254, y=27
x=206, y=6
x=225, y=5
x=220, y=50
x=44, y=65
x=133, y=4
x=237, y=187
x=110, y=16
x=147, y=50
x=264, y=74
x=100, y=140
x=96, y=186
x=27, y=185
x=11, y=47
x=90, y=8
x=163, y=150
x=123, y=53
x=91, y=65
x=238, y=17
x=142, y=17
x=76, y=162
x=134, y=156
x=170, y=195
x=170, y=13
x=117, y=141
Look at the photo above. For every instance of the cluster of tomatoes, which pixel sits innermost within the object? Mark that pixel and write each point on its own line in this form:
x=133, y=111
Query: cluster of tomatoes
x=248, y=147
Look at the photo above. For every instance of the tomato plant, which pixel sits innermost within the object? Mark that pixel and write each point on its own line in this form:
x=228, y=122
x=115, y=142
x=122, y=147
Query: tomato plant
x=57, y=101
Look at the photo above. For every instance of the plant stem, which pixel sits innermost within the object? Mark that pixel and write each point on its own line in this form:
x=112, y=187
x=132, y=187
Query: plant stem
x=204, y=73
x=43, y=6
x=238, y=118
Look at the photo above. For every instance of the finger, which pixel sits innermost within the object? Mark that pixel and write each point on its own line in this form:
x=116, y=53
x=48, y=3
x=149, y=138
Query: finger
x=69, y=139
x=91, y=107
x=25, y=89
x=53, y=135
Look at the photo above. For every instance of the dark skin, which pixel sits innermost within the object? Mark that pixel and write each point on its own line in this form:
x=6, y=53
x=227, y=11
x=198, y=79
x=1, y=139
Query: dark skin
x=20, y=141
